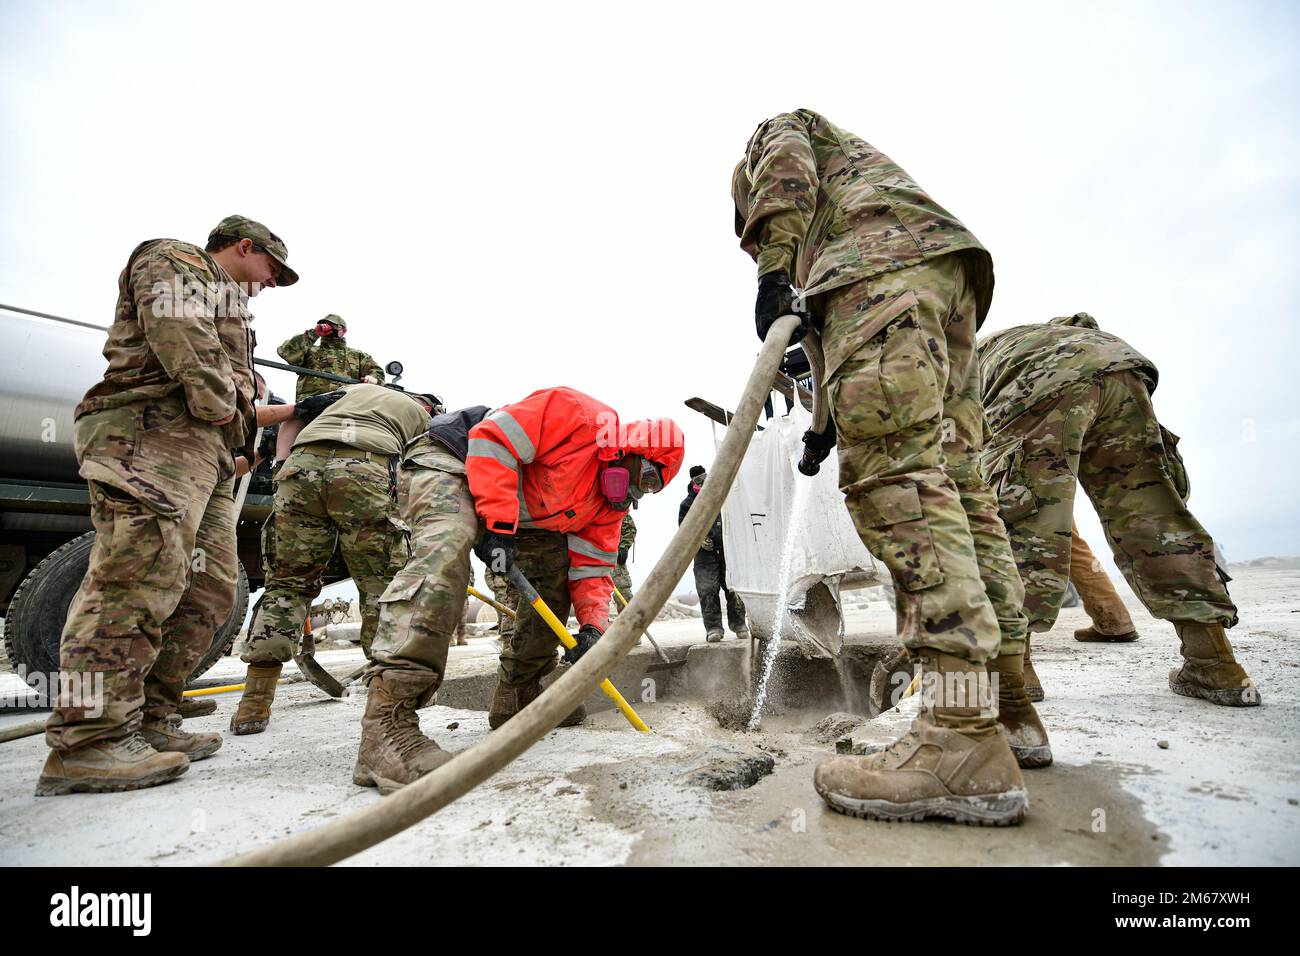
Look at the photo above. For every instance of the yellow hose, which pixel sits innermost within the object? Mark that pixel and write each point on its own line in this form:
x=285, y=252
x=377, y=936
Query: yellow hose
x=219, y=690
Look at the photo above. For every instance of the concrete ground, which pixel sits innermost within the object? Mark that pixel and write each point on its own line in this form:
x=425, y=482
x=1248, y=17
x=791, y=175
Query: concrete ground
x=1141, y=776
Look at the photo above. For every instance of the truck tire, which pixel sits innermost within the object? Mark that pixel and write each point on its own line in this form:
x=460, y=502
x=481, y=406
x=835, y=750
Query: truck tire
x=39, y=609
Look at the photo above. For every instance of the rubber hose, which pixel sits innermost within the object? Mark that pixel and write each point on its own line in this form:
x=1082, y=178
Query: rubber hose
x=19, y=731
x=385, y=818
x=812, y=348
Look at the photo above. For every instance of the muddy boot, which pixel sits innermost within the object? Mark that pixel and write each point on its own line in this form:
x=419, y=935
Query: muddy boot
x=107, y=766
x=510, y=699
x=953, y=762
x=393, y=751
x=1209, y=670
x=1025, y=732
x=742, y=633
x=254, y=711
x=196, y=707
x=1033, y=686
x=1090, y=635
x=166, y=736
x=713, y=635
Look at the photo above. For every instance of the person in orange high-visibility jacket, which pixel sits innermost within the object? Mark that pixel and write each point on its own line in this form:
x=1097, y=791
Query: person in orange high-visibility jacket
x=552, y=476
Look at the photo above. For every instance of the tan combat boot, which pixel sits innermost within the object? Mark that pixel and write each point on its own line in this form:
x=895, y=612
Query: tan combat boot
x=196, y=707
x=106, y=766
x=393, y=751
x=510, y=699
x=1209, y=669
x=166, y=736
x=953, y=762
x=254, y=711
x=1025, y=732
x=1033, y=686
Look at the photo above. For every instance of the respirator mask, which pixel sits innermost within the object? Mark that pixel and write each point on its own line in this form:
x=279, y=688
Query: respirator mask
x=620, y=491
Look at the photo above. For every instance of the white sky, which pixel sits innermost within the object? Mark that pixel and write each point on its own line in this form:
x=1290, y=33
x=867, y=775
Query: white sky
x=507, y=197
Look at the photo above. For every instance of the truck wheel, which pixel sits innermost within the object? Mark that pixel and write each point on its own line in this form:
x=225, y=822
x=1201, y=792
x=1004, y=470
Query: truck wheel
x=39, y=610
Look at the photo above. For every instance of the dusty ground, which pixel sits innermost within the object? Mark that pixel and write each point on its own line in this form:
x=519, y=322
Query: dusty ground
x=1225, y=791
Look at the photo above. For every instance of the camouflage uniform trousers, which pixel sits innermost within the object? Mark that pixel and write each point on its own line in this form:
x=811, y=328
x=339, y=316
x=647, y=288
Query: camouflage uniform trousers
x=1103, y=434
x=504, y=593
x=622, y=581
x=322, y=497
x=910, y=431
x=424, y=603
x=156, y=592
x=544, y=560
x=710, y=578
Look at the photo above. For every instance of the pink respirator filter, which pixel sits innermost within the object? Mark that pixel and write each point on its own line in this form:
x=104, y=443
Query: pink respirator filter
x=614, y=482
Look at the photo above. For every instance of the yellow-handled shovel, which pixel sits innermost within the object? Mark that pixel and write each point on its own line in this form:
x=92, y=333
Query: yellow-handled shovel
x=529, y=594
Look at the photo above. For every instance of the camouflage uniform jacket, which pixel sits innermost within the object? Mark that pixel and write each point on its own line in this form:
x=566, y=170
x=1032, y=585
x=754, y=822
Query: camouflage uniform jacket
x=180, y=346
x=1024, y=365
x=333, y=356
x=830, y=209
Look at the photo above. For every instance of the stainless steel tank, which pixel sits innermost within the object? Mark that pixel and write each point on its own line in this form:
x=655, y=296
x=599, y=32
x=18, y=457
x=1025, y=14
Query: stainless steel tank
x=46, y=368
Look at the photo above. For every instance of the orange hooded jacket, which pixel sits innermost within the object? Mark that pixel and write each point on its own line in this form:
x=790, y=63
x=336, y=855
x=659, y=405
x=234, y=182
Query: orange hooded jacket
x=537, y=464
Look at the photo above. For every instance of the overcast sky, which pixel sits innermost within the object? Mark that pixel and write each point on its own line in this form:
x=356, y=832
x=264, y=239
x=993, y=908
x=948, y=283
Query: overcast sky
x=507, y=197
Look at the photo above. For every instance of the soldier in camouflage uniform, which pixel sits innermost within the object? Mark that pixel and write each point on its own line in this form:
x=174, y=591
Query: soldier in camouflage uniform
x=898, y=287
x=154, y=440
x=626, y=538
x=335, y=486
x=420, y=608
x=332, y=355
x=1069, y=404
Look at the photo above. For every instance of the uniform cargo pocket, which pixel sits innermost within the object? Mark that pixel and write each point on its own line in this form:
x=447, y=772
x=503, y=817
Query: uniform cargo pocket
x=1003, y=467
x=889, y=384
x=900, y=529
x=96, y=654
x=1173, y=463
x=402, y=588
x=135, y=545
x=175, y=463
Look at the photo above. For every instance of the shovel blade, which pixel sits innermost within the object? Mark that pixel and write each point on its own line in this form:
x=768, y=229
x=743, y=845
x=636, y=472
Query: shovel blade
x=312, y=670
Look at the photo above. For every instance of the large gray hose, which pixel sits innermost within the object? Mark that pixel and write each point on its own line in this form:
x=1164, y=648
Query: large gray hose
x=408, y=806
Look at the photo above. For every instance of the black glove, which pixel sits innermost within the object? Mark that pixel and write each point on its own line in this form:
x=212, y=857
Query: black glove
x=498, y=551
x=266, y=448
x=775, y=301
x=309, y=408
x=817, y=446
x=622, y=555
x=587, y=638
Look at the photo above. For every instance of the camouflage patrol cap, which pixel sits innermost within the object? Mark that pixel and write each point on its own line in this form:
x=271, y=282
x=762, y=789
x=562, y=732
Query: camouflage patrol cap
x=336, y=321
x=241, y=227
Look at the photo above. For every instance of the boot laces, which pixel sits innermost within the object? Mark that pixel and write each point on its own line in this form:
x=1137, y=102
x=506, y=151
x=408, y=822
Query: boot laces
x=404, y=728
x=134, y=744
